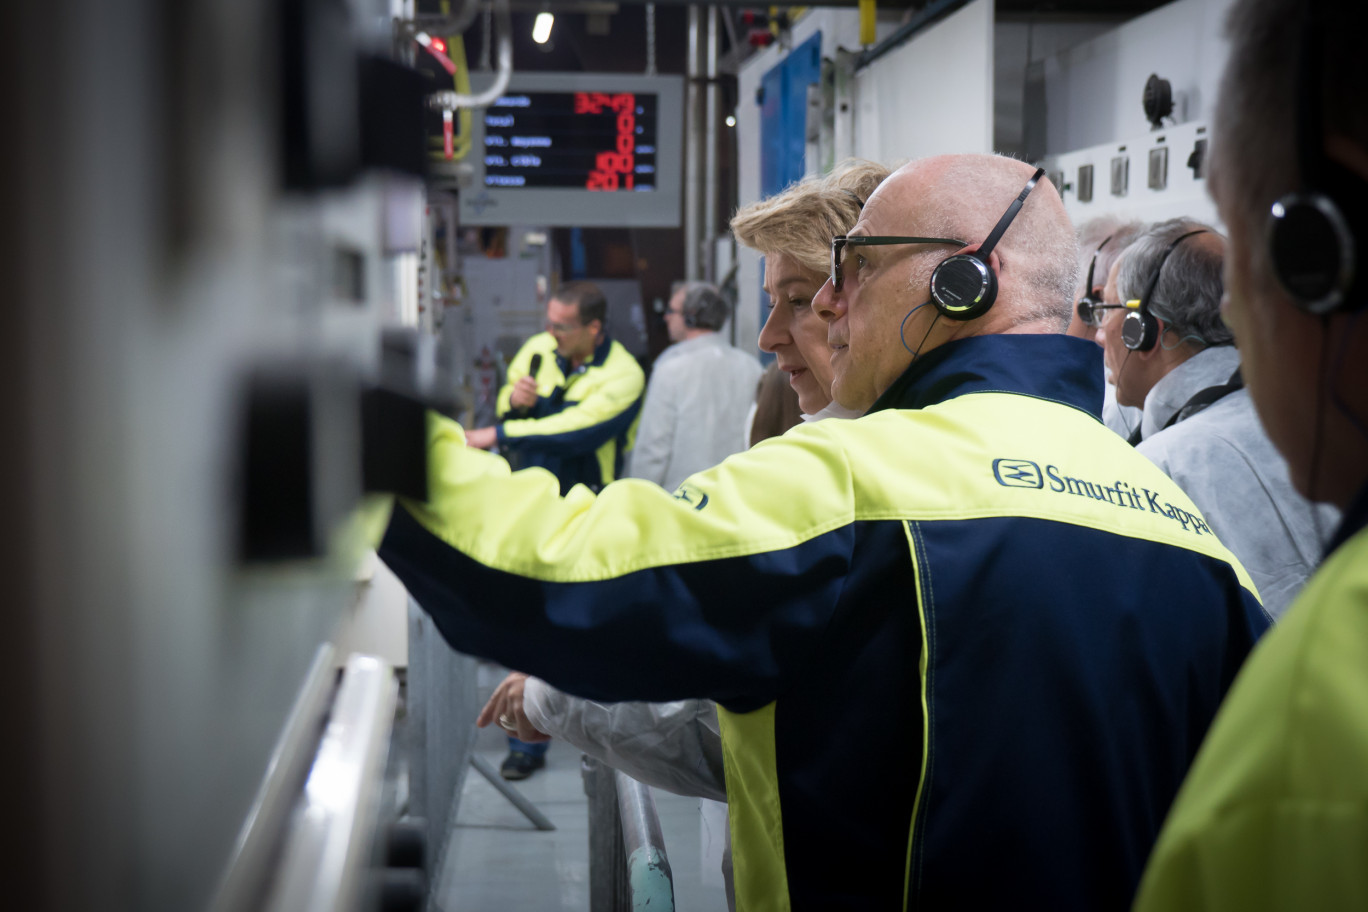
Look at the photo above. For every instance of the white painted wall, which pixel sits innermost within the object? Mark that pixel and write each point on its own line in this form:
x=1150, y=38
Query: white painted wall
x=840, y=29
x=887, y=125
x=1093, y=96
x=1093, y=90
x=932, y=95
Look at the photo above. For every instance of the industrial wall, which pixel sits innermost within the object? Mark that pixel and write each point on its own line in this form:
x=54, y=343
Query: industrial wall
x=1060, y=91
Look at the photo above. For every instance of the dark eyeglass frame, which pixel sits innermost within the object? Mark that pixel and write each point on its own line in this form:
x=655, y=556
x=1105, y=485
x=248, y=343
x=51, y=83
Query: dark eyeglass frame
x=1091, y=311
x=842, y=241
x=1090, y=304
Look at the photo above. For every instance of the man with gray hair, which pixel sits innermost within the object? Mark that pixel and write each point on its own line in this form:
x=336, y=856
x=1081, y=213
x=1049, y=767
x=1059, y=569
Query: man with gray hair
x=1168, y=350
x=1101, y=242
x=699, y=393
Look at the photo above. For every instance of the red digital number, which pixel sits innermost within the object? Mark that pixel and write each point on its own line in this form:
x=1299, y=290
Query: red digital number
x=615, y=167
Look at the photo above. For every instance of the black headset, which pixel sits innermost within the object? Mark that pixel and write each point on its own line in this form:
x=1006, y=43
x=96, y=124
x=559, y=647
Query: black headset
x=964, y=286
x=1314, y=233
x=1140, y=329
x=1088, y=304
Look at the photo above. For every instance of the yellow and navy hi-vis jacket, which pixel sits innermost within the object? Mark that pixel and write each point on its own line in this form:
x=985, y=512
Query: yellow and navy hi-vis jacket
x=966, y=646
x=584, y=419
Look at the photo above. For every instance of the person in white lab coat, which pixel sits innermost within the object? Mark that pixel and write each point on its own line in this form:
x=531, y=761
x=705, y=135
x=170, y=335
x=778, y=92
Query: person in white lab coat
x=699, y=392
x=1168, y=350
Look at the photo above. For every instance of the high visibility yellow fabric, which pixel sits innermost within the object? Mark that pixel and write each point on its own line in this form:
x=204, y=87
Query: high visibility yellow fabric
x=754, y=812
x=584, y=419
x=1275, y=812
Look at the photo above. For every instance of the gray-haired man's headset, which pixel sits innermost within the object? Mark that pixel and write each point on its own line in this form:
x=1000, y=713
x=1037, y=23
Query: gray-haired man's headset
x=1315, y=235
x=1140, y=329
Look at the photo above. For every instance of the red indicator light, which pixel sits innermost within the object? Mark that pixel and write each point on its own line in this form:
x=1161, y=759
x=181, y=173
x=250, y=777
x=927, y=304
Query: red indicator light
x=439, y=44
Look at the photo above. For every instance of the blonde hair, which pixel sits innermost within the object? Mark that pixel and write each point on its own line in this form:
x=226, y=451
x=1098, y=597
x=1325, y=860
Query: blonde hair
x=801, y=220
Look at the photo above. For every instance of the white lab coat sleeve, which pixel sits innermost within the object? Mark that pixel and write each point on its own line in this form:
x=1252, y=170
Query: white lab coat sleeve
x=676, y=746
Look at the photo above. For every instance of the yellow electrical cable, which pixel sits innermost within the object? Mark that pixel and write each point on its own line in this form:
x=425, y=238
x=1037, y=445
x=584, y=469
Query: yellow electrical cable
x=456, y=48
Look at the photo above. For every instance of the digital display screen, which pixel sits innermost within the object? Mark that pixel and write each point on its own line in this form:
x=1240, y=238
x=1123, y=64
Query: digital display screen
x=598, y=141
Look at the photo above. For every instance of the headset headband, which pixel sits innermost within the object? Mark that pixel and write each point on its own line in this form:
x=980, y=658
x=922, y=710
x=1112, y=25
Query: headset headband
x=1093, y=265
x=1001, y=227
x=1154, y=280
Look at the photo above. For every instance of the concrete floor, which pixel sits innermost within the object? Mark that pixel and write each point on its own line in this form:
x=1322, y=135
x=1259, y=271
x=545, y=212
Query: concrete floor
x=498, y=862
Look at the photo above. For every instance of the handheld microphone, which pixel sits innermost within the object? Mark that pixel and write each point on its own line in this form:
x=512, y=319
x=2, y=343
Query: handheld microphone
x=532, y=372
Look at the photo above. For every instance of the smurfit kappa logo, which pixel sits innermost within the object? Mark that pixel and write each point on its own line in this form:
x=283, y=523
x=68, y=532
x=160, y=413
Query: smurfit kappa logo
x=691, y=495
x=1018, y=473
x=1024, y=473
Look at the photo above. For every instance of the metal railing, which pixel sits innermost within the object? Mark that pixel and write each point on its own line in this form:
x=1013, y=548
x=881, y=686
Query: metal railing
x=628, y=867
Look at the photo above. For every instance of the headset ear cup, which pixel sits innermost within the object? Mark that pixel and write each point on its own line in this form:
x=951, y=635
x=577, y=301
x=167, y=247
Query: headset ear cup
x=1311, y=249
x=1139, y=331
x=963, y=287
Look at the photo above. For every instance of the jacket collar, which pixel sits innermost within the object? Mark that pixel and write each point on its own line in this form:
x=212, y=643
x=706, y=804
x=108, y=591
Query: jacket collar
x=1209, y=367
x=1049, y=366
x=600, y=355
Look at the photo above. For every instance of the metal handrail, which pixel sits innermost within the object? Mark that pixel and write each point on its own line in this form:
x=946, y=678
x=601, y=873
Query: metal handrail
x=649, y=878
x=628, y=867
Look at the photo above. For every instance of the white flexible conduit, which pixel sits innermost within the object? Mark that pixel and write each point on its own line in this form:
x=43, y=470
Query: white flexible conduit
x=503, y=24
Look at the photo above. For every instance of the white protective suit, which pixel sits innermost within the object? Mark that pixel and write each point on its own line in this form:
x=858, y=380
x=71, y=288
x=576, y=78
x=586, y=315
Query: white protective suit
x=675, y=746
x=698, y=395
x=1225, y=462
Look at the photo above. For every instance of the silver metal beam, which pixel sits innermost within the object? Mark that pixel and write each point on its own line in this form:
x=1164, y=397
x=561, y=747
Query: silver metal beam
x=710, y=145
x=515, y=797
x=694, y=154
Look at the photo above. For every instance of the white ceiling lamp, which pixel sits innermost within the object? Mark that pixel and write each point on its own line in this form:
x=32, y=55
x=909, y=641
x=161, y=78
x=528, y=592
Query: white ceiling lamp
x=541, y=28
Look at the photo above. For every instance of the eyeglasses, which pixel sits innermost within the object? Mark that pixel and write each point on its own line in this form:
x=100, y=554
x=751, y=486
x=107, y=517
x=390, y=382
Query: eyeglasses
x=1092, y=311
x=564, y=327
x=840, y=242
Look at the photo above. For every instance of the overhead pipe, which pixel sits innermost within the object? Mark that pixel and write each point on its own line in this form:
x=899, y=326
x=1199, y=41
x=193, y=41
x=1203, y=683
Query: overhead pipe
x=693, y=159
x=928, y=15
x=503, y=25
x=710, y=145
x=453, y=24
